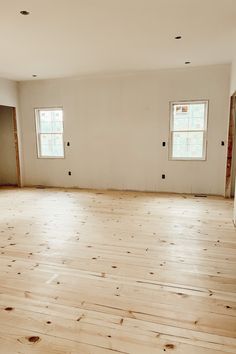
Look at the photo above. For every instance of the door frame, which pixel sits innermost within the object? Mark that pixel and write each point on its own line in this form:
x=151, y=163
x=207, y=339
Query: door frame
x=230, y=146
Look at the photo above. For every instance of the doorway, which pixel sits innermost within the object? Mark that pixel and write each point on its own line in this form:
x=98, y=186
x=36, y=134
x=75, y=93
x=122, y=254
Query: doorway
x=9, y=150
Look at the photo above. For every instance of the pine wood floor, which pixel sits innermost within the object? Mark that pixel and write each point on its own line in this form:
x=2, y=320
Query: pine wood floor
x=92, y=272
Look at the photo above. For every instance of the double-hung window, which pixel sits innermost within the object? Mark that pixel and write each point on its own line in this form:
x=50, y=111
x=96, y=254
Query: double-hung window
x=49, y=129
x=188, y=128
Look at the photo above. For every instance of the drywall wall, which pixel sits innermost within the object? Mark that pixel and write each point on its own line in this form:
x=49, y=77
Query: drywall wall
x=233, y=77
x=8, y=174
x=8, y=93
x=116, y=125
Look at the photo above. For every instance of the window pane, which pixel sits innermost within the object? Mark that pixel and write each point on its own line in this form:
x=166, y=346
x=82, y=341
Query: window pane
x=57, y=127
x=51, y=145
x=189, y=116
x=181, y=117
x=50, y=121
x=197, y=118
x=45, y=124
x=45, y=127
x=187, y=144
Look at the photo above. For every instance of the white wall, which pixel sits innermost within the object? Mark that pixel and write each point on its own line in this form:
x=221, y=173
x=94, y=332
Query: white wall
x=233, y=77
x=8, y=175
x=8, y=93
x=116, y=125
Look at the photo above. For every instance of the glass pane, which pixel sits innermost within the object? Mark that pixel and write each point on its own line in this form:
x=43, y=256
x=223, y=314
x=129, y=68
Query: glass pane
x=45, y=127
x=57, y=127
x=196, y=151
x=187, y=144
x=51, y=145
x=189, y=116
x=50, y=121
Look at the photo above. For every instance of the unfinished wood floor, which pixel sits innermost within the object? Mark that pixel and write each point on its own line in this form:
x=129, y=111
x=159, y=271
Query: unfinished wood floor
x=86, y=272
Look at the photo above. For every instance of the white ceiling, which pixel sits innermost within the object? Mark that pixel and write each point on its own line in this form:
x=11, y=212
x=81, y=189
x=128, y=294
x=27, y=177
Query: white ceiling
x=72, y=37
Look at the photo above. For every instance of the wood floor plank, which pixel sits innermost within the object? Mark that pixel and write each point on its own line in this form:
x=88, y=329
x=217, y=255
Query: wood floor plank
x=102, y=271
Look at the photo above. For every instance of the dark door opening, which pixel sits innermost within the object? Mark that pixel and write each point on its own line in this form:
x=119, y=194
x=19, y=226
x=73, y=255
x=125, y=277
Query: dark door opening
x=9, y=151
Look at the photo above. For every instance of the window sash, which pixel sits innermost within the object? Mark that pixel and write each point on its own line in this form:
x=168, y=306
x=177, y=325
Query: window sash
x=204, y=131
x=39, y=133
x=203, y=157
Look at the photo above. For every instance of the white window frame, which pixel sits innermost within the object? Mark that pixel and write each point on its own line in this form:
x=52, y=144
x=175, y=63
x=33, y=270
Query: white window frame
x=38, y=133
x=171, y=131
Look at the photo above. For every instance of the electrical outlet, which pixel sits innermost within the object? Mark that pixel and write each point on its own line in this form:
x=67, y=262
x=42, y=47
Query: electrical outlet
x=69, y=173
x=163, y=176
x=163, y=143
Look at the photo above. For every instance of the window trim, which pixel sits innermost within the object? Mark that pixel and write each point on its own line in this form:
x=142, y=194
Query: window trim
x=38, y=146
x=205, y=131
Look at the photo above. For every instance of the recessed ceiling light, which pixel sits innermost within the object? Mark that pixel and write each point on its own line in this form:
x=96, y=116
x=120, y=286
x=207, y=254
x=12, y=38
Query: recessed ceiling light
x=188, y=62
x=34, y=75
x=178, y=37
x=24, y=13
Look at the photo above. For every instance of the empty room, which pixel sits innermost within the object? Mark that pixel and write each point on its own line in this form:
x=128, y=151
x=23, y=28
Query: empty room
x=117, y=176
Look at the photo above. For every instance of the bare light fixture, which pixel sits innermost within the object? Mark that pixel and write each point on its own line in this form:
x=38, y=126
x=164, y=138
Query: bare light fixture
x=187, y=62
x=24, y=13
x=178, y=37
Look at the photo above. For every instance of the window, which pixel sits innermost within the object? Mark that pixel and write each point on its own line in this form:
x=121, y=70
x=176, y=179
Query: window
x=188, y=130
x=49, y=128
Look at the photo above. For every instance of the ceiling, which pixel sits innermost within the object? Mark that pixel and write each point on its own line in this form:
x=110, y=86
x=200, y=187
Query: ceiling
x=62, y=38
